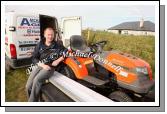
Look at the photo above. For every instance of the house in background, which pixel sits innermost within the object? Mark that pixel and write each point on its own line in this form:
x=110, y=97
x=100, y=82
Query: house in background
x=134, y=28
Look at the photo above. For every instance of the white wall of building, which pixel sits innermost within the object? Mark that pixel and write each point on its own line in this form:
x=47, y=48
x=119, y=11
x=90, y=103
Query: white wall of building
x=113, y=31
x=132, y=32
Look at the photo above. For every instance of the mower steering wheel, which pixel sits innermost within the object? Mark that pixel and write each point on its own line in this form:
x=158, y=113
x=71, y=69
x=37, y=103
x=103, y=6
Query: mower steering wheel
x=98, y=46
x=100, y=43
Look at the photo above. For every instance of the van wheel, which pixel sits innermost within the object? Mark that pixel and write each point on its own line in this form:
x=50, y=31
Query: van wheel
x=67, y=71
x=120, y=96
x=7, y=67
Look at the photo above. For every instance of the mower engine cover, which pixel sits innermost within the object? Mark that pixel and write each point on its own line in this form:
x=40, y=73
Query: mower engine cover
x=131, y=72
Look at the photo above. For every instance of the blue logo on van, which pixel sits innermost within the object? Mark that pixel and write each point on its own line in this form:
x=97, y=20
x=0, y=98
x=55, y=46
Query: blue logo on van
x=30, y=22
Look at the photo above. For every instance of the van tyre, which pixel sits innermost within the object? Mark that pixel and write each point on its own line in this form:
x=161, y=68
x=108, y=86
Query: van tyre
x=120, y=96
x=7, y=67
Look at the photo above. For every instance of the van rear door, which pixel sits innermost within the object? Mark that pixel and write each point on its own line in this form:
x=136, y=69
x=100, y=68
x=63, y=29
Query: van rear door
x=27, y=35
x=70, y=26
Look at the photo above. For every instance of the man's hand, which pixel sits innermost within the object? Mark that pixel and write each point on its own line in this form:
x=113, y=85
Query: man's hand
x=46, y=67
x=56, y=62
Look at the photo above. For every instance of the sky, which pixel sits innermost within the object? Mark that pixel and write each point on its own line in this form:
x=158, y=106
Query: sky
x=93, y=16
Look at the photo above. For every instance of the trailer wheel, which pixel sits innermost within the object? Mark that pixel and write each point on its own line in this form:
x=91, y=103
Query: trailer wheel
x=67, y=71
x=120, y=96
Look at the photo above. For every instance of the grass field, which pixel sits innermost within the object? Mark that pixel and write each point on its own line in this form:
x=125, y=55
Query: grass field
x=140, y=46
x=15, y=81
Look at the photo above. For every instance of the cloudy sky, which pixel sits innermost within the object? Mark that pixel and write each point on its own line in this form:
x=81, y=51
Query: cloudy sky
x=94, y=16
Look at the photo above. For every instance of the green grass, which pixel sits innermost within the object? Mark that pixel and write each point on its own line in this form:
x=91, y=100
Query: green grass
x=140, y=46
x=15, y=81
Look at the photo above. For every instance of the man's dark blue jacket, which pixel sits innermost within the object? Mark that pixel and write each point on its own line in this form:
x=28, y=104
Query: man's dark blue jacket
x=40, y=50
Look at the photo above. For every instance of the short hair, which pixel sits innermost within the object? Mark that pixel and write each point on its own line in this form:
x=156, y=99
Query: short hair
x=48, y=28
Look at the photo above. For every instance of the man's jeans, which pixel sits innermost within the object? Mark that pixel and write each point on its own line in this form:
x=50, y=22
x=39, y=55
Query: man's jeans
x=35, y=81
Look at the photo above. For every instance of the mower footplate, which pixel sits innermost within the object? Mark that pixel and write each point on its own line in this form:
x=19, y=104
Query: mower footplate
x=95, y=81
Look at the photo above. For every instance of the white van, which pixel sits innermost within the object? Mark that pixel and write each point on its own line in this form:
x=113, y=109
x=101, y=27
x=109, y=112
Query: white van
x=23, y=32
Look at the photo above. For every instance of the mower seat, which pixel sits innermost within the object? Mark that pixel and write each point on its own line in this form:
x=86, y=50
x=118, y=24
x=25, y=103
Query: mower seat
x=77, y=43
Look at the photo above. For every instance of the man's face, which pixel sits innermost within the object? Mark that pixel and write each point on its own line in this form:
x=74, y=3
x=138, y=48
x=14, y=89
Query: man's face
x=49, y=35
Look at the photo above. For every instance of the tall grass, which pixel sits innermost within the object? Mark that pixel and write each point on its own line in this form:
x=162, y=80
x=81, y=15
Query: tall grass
x=140, y=46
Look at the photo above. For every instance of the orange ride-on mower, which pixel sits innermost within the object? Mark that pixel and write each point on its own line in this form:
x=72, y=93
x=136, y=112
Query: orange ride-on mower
x=119, y=76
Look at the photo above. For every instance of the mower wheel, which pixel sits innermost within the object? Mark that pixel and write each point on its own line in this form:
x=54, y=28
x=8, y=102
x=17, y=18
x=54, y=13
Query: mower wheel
x=67, y=71
x=120, y=96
